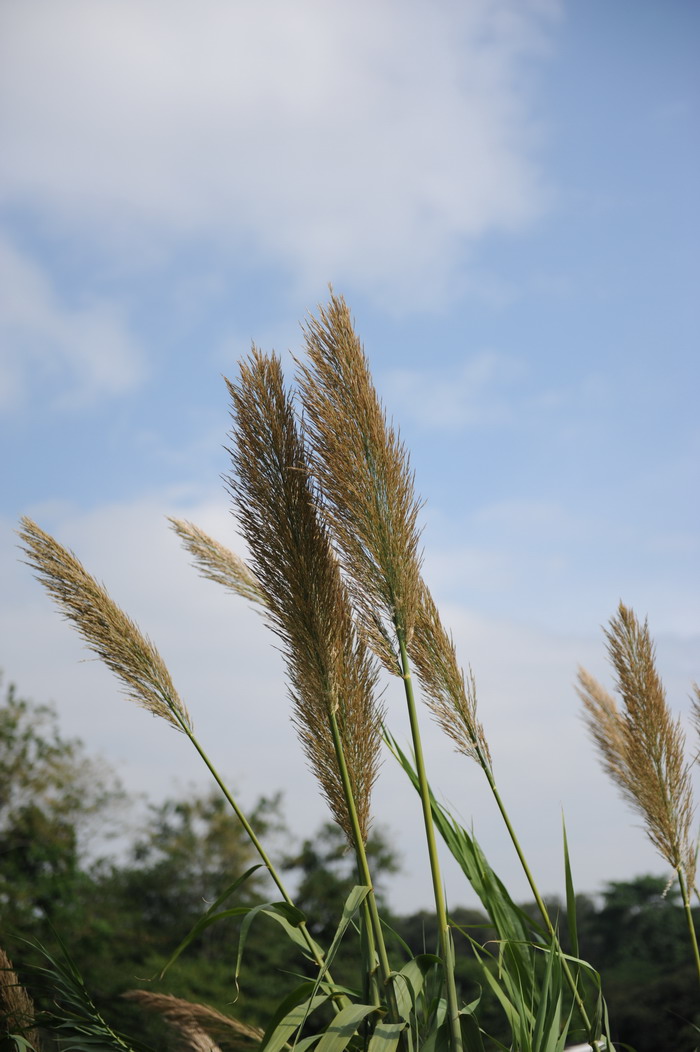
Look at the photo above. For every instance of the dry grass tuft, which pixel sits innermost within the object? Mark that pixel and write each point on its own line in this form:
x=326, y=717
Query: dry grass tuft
x=106, y=629
x=194, y=1023
x=330, y=671
x=16, y=1006
x=364, y=474
x=642, y=747
x=218, y=563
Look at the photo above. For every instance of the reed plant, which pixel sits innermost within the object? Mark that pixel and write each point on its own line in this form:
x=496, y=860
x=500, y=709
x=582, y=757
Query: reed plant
x=324, y=496
x=643, y=750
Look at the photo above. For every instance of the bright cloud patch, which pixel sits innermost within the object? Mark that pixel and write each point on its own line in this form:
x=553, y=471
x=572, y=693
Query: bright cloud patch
x=369, y=142
x=84, y=352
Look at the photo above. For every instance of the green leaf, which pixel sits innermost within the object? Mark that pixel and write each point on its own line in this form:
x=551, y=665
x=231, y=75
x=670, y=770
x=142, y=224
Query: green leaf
x=385, y=1037
x=286, y=915
x=570, y=895
x=353, y=902
x=471, y=1030
x=546, y=1032
x=511, y=922
x=343, y=1027
x=73, y=1011
x=211, y=916
x=289, y=1016
x=21, y=1043
x=410, y=980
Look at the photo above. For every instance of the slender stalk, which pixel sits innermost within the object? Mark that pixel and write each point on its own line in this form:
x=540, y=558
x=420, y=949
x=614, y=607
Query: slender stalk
x=440, y=908
x=364, y=870
x=689, y=918
x=314, y=950
x=544, y=912
x=371, y=985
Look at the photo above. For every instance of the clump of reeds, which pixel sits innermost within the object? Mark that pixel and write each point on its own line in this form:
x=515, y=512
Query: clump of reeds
x=332, y=679
x=369, y=498
x=324, y=496
x=642, y=747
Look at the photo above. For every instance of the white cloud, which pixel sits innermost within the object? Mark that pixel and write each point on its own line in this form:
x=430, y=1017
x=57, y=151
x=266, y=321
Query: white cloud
x=367, y=142
x=85, y=352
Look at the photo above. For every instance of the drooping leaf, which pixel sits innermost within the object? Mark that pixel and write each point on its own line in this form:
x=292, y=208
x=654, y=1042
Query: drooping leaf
x=212, y=915
x=342, y=1028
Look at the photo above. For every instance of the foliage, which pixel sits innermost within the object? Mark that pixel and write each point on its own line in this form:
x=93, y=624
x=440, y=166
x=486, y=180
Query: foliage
x=52, y=798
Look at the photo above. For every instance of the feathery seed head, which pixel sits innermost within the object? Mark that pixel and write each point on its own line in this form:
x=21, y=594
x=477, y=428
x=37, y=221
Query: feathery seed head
x=365, y=477
x=294, y=564
x=451, y=699
x=106, y=629
x=194, y=1022
x=218, y=563
x=16, y=1006
x=642, y=747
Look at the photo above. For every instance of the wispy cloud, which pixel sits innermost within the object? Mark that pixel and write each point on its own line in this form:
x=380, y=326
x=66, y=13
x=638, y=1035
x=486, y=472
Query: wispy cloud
x=478, y=393
x=370, y=143
x=84, y=352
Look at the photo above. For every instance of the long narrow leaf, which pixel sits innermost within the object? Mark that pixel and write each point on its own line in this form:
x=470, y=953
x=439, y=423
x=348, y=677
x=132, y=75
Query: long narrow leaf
x=570, y=895
x=385, y=1037
x=410, y=981
x=288, y=917
x=289, y=1015
x=213, y=914
x=509, y=919
x=343, y=1027
x=350, y=907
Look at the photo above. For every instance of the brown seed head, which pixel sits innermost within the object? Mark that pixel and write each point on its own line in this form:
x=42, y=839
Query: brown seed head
x=106, y=629
x=16, y=1006
x=218, y=563
x=194, y=1022
x=293, y=561
x=364, y=473
x=642, y=747
x=451, y=699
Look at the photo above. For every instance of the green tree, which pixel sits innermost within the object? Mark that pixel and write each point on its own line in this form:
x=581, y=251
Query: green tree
x=53, y=799
x=637, y=939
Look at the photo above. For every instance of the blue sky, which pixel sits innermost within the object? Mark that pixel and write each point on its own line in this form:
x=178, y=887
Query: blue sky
x=506, y=193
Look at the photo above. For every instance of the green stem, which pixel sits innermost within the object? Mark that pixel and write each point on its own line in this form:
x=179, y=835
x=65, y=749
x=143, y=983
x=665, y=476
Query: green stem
x=363, y=868
x=443, y=927
x=689, y=917
x=314, y=949
x=573, y=986
x=372, y=989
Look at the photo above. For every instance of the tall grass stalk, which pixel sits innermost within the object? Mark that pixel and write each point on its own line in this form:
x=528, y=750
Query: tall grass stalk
x=367, y=486
x=642, y=749
x=331, y=675
x=366, y=479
